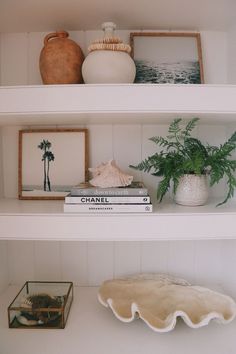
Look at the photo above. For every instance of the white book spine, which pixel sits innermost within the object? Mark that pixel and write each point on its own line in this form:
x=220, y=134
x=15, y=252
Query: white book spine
x=109, y=191
x=107, y=200
x=105, y=208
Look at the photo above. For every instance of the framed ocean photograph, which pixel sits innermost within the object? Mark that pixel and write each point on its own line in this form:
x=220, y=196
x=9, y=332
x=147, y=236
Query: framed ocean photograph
x=167, y=57
x=51, y=162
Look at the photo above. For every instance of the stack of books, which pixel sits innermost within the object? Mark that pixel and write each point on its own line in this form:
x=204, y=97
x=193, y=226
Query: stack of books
x=88, y=199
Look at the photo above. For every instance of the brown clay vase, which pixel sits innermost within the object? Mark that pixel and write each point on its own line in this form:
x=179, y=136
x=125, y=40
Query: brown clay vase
x=60, y=60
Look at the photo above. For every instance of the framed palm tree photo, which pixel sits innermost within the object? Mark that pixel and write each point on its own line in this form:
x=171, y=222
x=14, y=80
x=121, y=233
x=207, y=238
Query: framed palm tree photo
x=51, y=162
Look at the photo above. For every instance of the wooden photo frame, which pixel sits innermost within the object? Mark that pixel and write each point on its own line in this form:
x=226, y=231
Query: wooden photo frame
x=167, y=57
x=51, y=162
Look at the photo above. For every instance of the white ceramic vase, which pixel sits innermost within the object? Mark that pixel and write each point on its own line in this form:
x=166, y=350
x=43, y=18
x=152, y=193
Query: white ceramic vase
x=108, y=60
x=192, y=190
x=108, y=66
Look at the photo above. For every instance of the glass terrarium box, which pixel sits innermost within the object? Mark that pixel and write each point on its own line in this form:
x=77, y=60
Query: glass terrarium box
x=41, y=304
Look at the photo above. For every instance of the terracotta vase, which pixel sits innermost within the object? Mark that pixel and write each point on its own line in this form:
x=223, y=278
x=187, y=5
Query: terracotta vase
x=60, y=60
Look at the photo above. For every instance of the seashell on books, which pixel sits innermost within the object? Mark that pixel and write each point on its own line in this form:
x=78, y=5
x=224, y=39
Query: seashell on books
x=108, y=175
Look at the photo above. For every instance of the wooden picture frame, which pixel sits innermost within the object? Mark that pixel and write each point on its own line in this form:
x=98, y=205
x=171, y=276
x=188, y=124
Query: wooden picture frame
x=167, y=57
x=51, y=162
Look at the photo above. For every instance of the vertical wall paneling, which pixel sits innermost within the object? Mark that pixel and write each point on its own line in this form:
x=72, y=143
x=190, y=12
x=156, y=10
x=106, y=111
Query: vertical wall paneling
x=214, y=135
x=10, y=160
x=19, y=54
x=215, y=56
x=21, y=261
x=230, y=129
x=4, y=275
x=35, y=45
x=74, y=258
x=100, y=262
x=231, y=64
x=181, y=259
x=148, y=149
x=154, y=257
x=127, y=259
x=124, y=35
x=228, y=249
x=100, y=144
x=90, y=263
x=14, y=59
x=0, y=58
x=48, y=260
x=79, y=38
x=127, y=147
x=1, y=166
x=208, y=265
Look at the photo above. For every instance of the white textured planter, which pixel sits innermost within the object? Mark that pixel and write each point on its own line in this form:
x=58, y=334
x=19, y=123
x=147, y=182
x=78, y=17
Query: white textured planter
x=192, y=190
x=108, y=66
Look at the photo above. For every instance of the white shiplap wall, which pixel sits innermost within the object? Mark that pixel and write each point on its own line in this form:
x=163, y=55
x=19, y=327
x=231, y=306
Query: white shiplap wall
x=1, y=165
x=4, y=271
x=127, y=144
x=89, y=263
x=19, y=54
x=232, y=55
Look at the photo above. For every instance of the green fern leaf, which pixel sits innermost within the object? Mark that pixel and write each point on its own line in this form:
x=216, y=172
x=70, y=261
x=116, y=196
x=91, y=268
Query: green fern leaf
x=180, y=154
x=190, y=126
x=174, y=127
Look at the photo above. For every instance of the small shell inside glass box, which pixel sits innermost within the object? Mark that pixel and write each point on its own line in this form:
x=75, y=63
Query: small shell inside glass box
x=41, y=304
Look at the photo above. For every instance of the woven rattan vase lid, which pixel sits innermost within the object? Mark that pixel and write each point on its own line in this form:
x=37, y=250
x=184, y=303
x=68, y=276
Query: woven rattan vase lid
x=109, y=41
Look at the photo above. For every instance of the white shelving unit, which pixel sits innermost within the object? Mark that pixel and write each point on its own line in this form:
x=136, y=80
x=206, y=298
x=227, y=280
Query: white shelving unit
x=91, y=328
x=27, y=220
x=41, y=220
x=196, y=243
x=70, y=104
x=45, y=220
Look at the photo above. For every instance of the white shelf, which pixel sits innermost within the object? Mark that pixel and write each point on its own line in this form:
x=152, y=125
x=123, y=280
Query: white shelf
x=45, y=220
x=93, y=329
x=184, y=15
x=71, y=104
x=84, y=104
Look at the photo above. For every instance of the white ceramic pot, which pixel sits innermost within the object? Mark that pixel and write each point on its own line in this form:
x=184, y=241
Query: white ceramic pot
x=109, y=61
x=108, y=66
x=192, y=190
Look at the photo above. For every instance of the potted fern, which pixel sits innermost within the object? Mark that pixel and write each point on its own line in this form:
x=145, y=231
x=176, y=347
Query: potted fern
x=185, y=161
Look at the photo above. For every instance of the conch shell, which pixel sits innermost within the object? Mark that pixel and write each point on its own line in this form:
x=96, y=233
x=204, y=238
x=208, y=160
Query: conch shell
x=159, y=300
x=108, y=175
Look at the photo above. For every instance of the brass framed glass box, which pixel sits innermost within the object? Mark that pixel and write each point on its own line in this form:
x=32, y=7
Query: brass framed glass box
x=41, y=304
